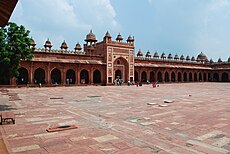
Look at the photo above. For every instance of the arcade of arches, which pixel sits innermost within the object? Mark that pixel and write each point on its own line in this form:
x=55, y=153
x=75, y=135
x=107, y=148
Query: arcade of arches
x=102, y=62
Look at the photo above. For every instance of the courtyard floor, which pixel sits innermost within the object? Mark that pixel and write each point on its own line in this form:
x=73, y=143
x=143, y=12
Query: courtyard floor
x=118, y=119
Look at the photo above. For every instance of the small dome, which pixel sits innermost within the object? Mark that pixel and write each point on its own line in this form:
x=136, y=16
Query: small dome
x=64, y=45
x=139, y=54
x=182, y=57
x=193, y=59
x=219, y=60
x=170, y=56
x=201, y=57
x=211, y=61
x=108, y=35
x=229, y=59
x=156, y=55
x=78, y=46
x=176, y=57
x=48, y=44
x=33, y=43
x=119, y=37
x=163, y=55
x=148, y=54
x=187, y=58
x=130, y=39
x=91, y=37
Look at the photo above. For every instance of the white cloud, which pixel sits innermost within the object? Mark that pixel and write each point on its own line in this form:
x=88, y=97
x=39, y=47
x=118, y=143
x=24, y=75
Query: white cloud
x=69, y=19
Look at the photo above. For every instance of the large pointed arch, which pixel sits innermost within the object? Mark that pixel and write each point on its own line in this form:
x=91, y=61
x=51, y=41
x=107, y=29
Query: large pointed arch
x=70, y=76
x=56, y=76
x=143, y=76
x=173, y=77
x=23, y=76
x=224, y=77
x=84, y=76
x=152, y=78
x=166, y=77
x=39, y=76
x=96, y=76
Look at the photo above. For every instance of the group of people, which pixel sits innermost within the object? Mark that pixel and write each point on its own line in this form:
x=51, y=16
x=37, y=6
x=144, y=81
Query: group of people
x=118, y=82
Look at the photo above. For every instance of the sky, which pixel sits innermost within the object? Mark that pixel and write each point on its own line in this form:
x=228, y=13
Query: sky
x=185, y=27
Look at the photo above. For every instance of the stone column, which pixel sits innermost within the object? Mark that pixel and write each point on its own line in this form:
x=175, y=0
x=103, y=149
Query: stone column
x=48, y=76
x=91, y=76
x=31, y=74
x=63, y=76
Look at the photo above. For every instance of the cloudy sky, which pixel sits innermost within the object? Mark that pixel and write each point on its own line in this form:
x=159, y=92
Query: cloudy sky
x=172, y=26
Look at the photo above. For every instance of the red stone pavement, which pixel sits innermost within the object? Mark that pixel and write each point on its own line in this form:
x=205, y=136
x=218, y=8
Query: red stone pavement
x=118, y=119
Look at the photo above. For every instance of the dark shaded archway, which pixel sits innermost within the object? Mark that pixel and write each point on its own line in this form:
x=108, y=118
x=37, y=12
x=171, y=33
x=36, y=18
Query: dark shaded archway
x=96, y=76
x=200, y=77
x=84, y=77
x=185, y=77
x=159, y=77
x=70, y=77
x=216, y=77
x=224, y=77
x=195, y=77
x=143, y=76
x=179, y=77
x=152, y=79
x=205, y=77
x=173, y=77
x=56, y=76
x=39, y=76
x=118, y=74
x=136, y=76
x=23, y=76
x=166, y=77
x=209, y=77
x=190, y=76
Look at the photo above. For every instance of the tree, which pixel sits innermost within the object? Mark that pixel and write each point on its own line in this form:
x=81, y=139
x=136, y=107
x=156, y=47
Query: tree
x=15, y=45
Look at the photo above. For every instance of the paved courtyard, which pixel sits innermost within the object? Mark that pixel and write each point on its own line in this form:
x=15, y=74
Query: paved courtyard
x=119, y=119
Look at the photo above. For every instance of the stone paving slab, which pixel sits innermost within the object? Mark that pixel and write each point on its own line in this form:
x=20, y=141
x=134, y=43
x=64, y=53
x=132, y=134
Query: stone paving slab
x=118, y=119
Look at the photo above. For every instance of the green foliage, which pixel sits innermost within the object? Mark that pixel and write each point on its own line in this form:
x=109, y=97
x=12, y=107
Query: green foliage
x=15, y=45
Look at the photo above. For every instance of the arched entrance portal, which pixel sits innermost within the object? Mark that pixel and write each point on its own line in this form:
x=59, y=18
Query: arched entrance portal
x=179, y=77
x=190, y=76
x=23, y=76
x=185, y=76
x=195, y=77
x=200, y=77
x=152, y=79
x=56, y=76
x=70, y=77
x=205, y=78
x=173, y=77
x=96, y=76
x=224, y=77
x=118, y=74
x=39, y=76
x=121, y=69
x=84, y=77
x=159, y=77
x=166, y=77
x=143, y=77
x=215, y=77
x=135, y=76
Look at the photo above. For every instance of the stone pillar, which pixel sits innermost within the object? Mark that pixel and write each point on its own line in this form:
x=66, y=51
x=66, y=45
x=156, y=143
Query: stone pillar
x=63, y=76
x=31, y=73
x=91, y=76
